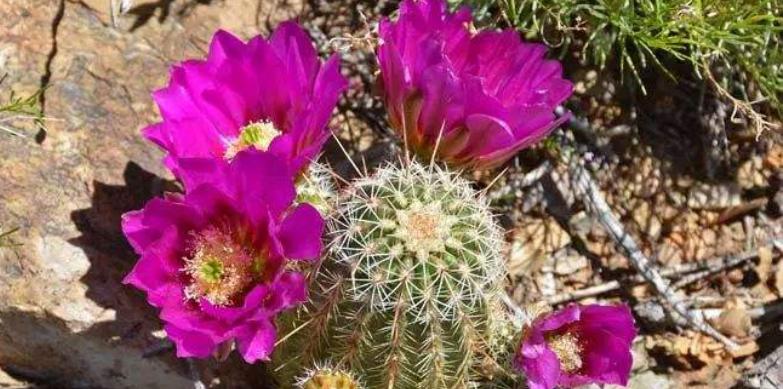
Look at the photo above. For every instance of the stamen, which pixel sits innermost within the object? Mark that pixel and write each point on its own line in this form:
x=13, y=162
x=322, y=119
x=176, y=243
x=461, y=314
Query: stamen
x=220, y=268
x=256, y=134
x=568, y=350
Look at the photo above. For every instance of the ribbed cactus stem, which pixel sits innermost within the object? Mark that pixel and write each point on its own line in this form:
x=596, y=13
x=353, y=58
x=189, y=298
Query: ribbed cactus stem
x=409, y=296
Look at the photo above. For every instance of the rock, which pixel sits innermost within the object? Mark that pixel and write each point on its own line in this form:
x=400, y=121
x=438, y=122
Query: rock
x=534, y=243
x=567, y=261
x=65, y=318
x=647, y=221
x=8, y=382
x=751, y=174
x=711, y=197
x=649, y=379
x=735, y=322
x=777, y=203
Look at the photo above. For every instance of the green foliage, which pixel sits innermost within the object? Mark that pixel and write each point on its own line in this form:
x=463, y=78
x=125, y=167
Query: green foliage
x=744, y=38
x=18, y=108
x=409, y=297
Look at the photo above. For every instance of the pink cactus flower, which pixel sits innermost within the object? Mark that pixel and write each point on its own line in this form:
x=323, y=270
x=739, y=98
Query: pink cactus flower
x=475, y=98
x=578, y=345
x=213, y=260
x=273, y=95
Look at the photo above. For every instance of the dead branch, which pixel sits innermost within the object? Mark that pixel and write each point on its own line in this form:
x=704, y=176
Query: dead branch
x=519, y=315
x=588, y=190
x=727, y=262
x=766, y=373
x=704, y=269
x=772, y=310
x=518, y=183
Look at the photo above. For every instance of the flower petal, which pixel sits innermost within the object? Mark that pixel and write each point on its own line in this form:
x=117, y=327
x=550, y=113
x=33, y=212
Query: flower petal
x=191, y=344
x=541, y=367
x=256, y=341
x=300, y=234
x=263, y=183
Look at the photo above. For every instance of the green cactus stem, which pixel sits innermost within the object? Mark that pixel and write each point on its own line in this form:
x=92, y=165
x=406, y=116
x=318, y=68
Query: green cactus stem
x=409, y=296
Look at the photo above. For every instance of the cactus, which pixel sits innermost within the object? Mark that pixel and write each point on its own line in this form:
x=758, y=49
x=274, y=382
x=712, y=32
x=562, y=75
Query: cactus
x=410, y=294
x=328, y=378
x=316, y=188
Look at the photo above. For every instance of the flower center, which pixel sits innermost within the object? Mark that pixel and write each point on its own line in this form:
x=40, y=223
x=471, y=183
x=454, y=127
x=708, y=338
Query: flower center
x=256, y=134
x=220, y=269
x=568, y=350
x=423, y=229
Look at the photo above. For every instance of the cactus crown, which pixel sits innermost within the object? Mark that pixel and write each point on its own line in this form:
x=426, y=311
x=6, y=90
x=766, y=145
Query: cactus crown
x=328, y=378
x=420, y=234
x=410, y=294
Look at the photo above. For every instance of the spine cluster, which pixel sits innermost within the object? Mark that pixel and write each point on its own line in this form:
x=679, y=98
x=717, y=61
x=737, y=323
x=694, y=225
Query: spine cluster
x=410, y=295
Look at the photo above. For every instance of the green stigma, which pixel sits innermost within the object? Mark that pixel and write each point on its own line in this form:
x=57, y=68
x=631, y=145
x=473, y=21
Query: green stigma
x=211, y=271
x=221, y=269
x=256, y=134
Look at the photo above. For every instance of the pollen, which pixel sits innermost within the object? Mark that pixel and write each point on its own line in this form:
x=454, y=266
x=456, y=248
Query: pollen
x=220, y=269
x=256, y=134
x=568, y=350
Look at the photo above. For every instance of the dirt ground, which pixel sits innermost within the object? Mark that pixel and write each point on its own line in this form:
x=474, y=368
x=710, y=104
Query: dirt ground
x=695, y=188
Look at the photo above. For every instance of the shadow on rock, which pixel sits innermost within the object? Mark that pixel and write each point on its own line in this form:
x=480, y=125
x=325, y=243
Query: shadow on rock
x=65, y=359
x=127, y=340
x=110, y=255
x=145, y=12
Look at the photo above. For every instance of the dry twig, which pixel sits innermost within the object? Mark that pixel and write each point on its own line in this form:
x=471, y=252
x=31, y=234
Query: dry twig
x=520, y=317
x=766, y=373
x=726, y=263
x=517, y=183
x=592, y=197
x=703, y=269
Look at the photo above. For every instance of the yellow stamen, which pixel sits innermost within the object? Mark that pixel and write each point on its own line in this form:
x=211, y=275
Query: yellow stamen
x=568, y=350
x=220, y=268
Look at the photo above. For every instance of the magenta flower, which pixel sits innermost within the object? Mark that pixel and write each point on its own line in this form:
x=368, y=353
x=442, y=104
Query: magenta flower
x=577, y=345
x=477, y=98
x=271, y=95
x=213, y=259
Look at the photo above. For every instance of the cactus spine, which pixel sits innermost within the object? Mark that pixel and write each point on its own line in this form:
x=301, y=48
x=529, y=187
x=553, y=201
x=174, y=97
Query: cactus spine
x=409, y=295
x=315, y=187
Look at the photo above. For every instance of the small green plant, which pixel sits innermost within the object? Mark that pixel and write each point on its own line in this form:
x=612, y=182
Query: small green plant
x=744, y=39
x=5, y=238
x=410, y=295
x=18, y=108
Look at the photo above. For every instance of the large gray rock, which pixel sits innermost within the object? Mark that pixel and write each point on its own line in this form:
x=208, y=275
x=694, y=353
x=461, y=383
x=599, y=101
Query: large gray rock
x=65, y=318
